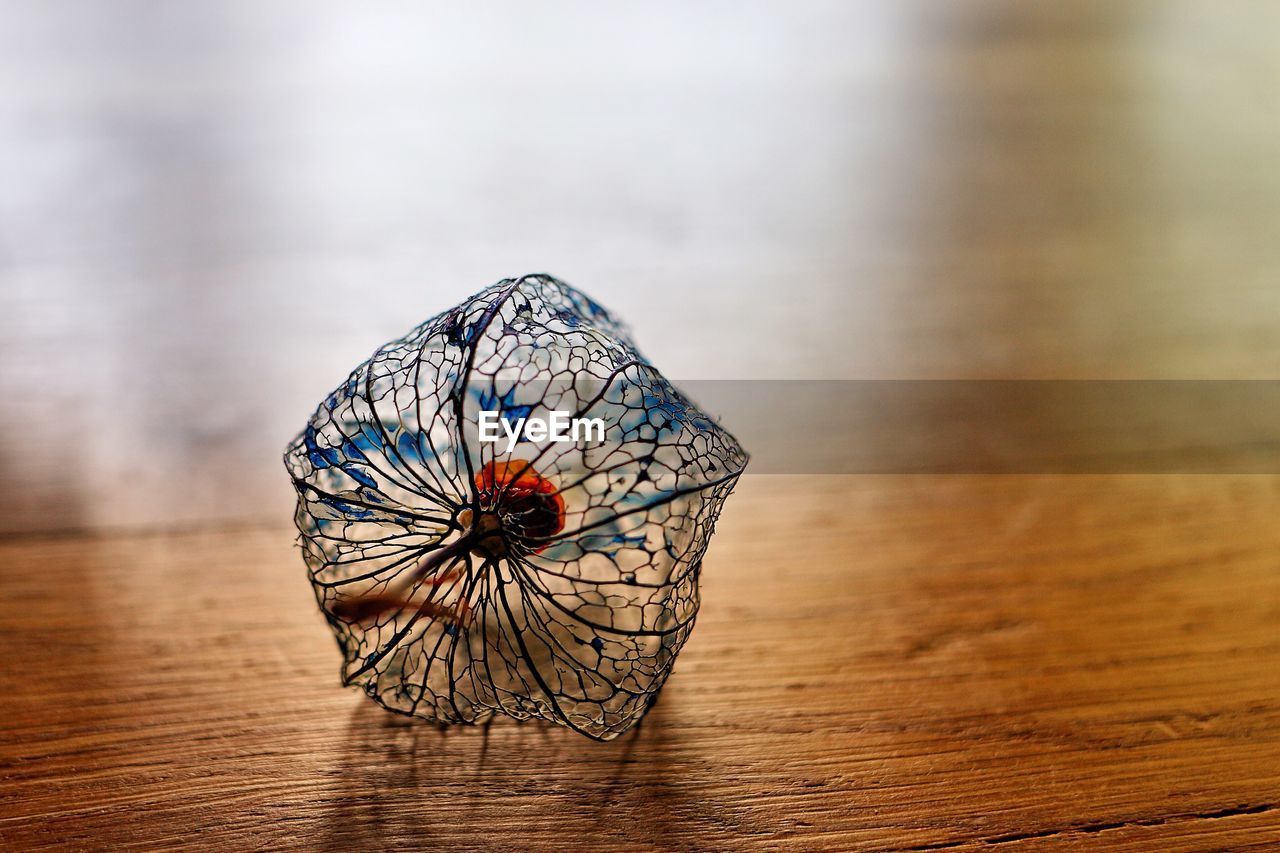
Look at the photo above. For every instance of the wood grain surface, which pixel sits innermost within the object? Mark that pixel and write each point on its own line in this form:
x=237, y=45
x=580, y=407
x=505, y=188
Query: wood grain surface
x=880, y=663
x=209, y=213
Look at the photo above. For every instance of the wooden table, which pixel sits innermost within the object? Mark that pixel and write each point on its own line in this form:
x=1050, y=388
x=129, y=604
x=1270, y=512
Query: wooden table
x=915, y=663
x=209, y=215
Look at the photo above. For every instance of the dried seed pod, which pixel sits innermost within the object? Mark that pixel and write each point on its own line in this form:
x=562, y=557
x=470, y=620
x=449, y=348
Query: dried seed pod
x=551, y=573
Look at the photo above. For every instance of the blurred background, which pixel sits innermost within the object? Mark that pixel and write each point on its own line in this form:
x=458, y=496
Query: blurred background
x=209, y=213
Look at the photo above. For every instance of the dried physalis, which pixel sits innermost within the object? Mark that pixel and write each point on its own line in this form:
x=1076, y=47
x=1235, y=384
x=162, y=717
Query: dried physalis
x=506, y=511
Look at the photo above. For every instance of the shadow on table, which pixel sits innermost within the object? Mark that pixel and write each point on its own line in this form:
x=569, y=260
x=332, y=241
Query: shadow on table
x=400, y=781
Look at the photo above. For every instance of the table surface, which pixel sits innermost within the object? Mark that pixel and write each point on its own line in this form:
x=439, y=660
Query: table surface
x=909, y=662
x=210, y=215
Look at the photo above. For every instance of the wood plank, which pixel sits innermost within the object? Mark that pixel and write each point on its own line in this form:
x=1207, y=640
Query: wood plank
x=880, y=663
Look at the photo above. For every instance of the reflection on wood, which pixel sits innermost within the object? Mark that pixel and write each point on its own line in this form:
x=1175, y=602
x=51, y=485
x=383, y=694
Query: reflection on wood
x=209, y=216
